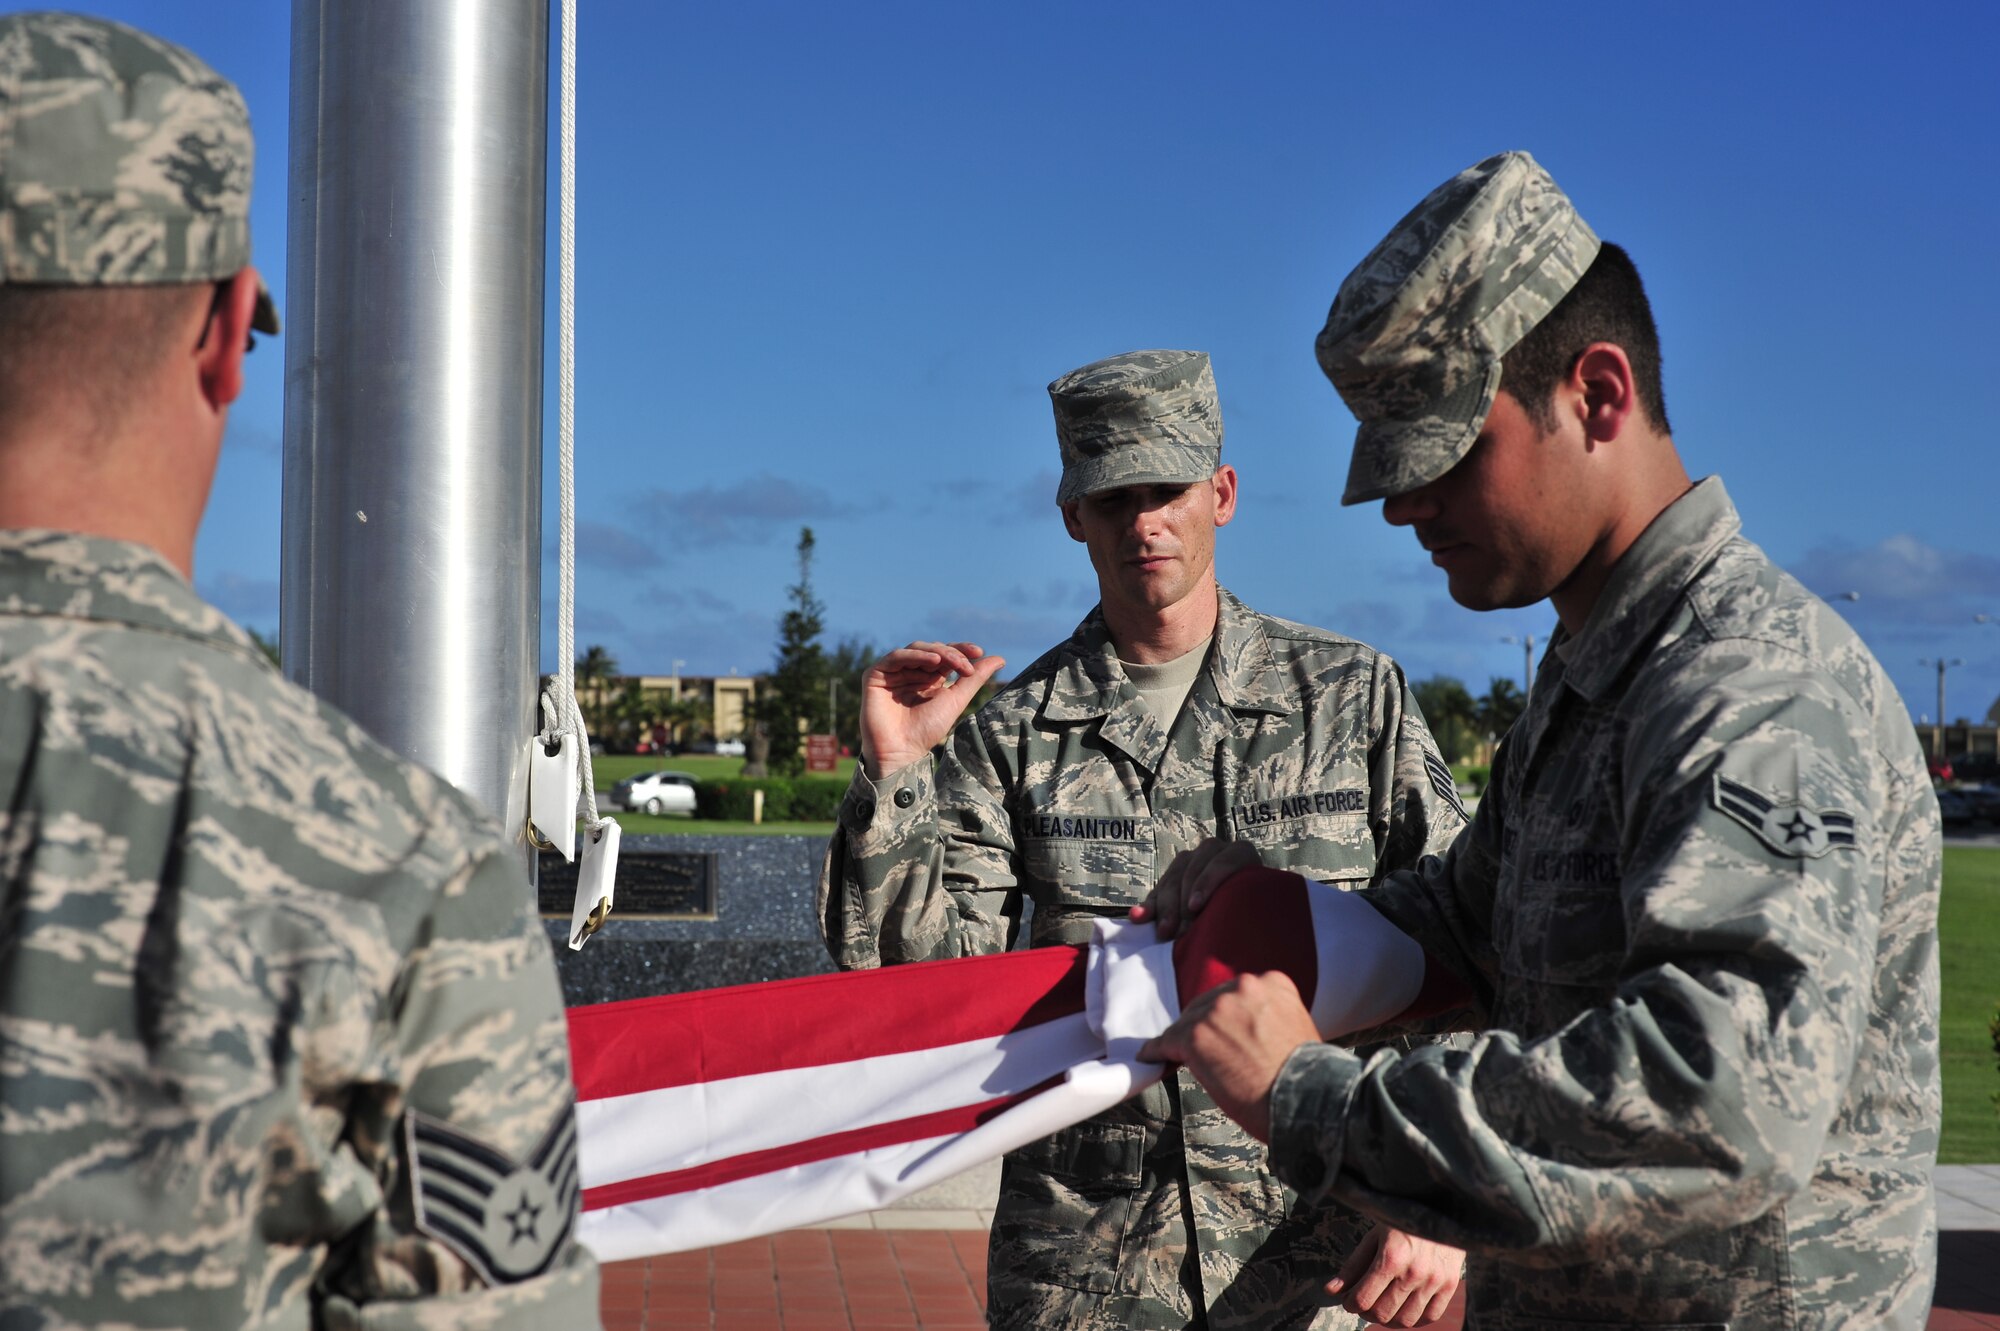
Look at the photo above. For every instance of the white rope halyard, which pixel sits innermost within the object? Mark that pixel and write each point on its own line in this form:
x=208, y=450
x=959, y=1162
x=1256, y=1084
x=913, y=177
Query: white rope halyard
x=568, y=769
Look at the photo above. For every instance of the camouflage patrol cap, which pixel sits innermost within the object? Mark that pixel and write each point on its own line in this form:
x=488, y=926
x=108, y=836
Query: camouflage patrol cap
x=1415, y=336
x=1143, y=418
x=124, y=160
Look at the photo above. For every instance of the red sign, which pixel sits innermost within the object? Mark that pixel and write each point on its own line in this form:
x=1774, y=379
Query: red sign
x=822, y=753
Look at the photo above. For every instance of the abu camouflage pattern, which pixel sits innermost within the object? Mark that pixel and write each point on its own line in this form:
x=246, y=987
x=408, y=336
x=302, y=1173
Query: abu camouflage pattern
x=1415, y=336
x=1141, y=418
x=1065, y=792
x=124, y=160
x=1707, y=1093
x=242, y=945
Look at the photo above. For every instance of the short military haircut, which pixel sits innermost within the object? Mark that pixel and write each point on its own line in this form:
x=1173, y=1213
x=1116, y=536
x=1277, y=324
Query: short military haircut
x=1608, y=304
x=95, y=346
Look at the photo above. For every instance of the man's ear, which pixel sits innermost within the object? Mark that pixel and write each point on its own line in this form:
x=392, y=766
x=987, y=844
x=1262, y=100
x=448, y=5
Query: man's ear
x=1070, y=524
x=226, y=339
x=1224, y=481
x=1605, y=392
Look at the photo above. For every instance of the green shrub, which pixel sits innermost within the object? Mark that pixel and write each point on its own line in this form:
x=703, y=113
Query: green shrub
x=1475, y=775
x=1993, y=1028
x=730, y=799
x=816, y=799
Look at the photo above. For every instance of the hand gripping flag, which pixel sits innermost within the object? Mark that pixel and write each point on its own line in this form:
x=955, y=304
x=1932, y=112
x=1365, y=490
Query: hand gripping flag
x=721, y=1115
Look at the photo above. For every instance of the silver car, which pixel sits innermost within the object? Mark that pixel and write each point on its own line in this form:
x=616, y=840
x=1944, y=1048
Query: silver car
x=655, y=793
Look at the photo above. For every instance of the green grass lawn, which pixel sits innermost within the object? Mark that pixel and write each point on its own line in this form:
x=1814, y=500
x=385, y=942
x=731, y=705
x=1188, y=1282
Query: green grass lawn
x=1969, y=958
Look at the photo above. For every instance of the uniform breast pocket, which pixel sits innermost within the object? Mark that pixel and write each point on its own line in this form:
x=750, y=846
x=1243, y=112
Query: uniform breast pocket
x=1052, y=862
x=1567, y=925
x=1105, y=863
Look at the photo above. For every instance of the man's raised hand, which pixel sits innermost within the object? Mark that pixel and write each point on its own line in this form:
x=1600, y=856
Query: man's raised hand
x=911, y=698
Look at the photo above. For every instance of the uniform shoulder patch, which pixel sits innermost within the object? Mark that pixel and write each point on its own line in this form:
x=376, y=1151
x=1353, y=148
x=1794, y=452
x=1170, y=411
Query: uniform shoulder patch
x=1444, y=783
x=507, y=1219
x=1788, y=828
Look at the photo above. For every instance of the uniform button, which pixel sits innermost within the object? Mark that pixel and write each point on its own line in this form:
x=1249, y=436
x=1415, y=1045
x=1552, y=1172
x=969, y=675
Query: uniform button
x=865, y=811
x=905, y=798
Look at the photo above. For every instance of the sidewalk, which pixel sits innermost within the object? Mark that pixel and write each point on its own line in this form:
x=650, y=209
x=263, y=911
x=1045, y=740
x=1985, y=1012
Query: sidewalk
x=920, y=1267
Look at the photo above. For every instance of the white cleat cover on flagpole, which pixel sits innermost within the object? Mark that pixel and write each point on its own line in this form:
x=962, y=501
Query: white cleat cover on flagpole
x=554, y=783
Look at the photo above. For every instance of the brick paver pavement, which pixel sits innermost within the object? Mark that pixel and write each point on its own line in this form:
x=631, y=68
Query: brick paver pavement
x=807, y=1280
x=935, y=1280
x=1968, y=1288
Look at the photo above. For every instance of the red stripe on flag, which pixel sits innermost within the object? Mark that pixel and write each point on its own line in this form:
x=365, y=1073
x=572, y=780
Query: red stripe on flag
x=945, y=1122
x=648, y=1044
x=1258, y=920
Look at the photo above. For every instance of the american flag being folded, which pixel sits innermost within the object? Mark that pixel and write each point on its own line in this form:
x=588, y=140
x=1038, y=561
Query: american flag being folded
x=720, y=1115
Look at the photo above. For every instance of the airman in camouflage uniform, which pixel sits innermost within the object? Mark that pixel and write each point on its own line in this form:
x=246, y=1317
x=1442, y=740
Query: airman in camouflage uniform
x=1696, y=910
x=280, y=1042
x=1072, y=789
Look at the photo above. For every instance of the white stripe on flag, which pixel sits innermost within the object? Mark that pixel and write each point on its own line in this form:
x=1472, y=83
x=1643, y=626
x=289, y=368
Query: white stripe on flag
x=622, y=1137
x=761, y=1204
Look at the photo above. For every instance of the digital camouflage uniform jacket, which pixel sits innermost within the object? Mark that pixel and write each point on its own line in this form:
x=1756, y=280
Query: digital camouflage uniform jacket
x=1064, y=791
x=1698, y=909
x=250, y=963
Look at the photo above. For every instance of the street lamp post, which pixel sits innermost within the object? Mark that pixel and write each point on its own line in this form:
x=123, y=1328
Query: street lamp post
x=1527, y=660
x=1937, y=729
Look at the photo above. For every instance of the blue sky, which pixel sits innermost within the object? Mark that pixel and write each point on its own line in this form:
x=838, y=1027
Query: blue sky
x=829, y=256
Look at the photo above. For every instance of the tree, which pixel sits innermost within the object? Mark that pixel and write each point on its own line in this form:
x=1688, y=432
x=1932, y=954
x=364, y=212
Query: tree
x=1993, y=713
x=685, y=716
x=794, y=695
x=1501, y=706
x=594, y=670
x=1453, y=716
x=629, y=714
x=845, y=667
x=269, y=646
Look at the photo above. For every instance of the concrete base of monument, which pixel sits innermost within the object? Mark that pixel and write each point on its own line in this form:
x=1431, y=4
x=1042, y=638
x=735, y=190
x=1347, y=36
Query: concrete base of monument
x=703, y=912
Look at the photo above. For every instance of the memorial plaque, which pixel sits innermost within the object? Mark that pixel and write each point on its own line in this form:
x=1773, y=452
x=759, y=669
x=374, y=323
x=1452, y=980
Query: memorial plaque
x=651, y=885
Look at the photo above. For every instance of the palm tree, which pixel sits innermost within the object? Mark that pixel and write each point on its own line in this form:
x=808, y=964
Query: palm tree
x=1502, y=704
x=594, y=670
x=1453, y=716
x=685, y=716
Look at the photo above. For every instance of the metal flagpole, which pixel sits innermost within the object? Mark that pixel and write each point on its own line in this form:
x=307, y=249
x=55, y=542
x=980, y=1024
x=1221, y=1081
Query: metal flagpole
x=413, y=378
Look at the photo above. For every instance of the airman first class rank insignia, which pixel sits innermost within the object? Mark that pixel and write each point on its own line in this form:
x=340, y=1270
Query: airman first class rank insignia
x=507, y=1220
x=1789, y=829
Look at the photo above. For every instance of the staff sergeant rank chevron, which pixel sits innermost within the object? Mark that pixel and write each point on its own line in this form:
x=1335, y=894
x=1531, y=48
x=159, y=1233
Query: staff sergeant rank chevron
x=508, y=1220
